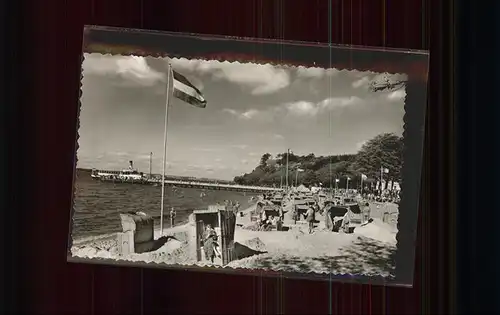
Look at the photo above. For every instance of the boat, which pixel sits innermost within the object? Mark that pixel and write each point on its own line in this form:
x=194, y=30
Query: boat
x=129, y=174
x=100, y=174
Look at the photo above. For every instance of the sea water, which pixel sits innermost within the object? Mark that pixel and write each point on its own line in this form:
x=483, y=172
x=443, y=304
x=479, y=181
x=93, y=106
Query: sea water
x=97, y=204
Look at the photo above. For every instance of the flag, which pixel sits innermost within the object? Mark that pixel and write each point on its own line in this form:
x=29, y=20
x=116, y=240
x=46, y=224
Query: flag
x=385, y=170
x=348, y=178
x=364, y=177
x=337, y=180
x=300, y=170
x=187, y=92
x=177, y=86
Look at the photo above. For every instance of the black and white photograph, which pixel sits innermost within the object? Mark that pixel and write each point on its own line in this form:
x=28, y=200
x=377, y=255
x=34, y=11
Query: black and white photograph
x=186, y=162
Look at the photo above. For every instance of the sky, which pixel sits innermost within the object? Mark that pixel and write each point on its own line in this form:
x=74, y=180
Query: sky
x=251, y=109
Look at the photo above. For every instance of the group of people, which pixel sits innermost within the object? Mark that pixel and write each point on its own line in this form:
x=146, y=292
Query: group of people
x=385, y=196
x=235, y=205
x=266, y=223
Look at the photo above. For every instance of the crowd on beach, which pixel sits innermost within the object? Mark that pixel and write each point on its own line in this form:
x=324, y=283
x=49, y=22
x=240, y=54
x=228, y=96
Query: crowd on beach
x=382, y=196
x=306, y=205
x=270, y=209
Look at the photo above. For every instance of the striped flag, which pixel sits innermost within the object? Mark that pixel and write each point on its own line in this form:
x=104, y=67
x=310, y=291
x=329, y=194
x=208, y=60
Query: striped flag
x=337, y=180
x=186, y=91
x=180, y=87
x=300, y=170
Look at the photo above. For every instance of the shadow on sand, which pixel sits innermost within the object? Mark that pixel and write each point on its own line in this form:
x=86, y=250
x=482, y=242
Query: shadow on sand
x=363, y=257
x=161, y=241
x=241, y=251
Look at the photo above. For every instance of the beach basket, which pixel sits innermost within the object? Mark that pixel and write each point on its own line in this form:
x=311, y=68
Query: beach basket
x=140, y=224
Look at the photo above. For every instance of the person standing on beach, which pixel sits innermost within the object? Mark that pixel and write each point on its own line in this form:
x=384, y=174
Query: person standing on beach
x=310, y=219
x=210, y=243
x=172, y=217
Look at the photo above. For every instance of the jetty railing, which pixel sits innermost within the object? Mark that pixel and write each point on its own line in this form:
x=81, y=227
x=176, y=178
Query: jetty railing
x=196, y=184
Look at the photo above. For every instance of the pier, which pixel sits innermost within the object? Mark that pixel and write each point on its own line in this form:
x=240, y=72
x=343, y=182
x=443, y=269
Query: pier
x=199, y=185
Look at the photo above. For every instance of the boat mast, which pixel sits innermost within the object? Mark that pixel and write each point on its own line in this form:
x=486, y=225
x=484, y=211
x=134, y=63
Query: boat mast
x=150, y=164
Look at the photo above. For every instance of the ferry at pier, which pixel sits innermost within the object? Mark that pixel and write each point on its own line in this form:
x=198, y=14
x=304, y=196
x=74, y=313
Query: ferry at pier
x=129, y=174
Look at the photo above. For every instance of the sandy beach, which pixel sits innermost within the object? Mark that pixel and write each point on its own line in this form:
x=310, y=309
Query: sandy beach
x=366, y=251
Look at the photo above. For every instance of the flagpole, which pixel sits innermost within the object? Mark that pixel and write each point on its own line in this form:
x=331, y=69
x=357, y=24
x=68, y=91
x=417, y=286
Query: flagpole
x=296, y=177
x=169, y=74
x=286, y=171
x=381, y=176
x=361, y=190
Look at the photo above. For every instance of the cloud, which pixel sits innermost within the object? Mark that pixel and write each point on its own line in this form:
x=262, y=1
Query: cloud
x=278, y=136
x=302, y=108
x=218, y=160
x=231, y=111
x=305, y=108
x=196, y=167
x=396, y=95
x=339, y=102
x=315, y=72
x=258, y=79
x=363, y=82
x=299, y=108
x=119, y=153
x=249, y=114
x=240, y=146
x=143, y=157
x=244, y=162
x=205, y=149
x=132, y=69
x=360, y=144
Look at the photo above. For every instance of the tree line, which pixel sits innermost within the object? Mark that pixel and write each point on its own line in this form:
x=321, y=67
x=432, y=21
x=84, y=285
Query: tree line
x=383, y=151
